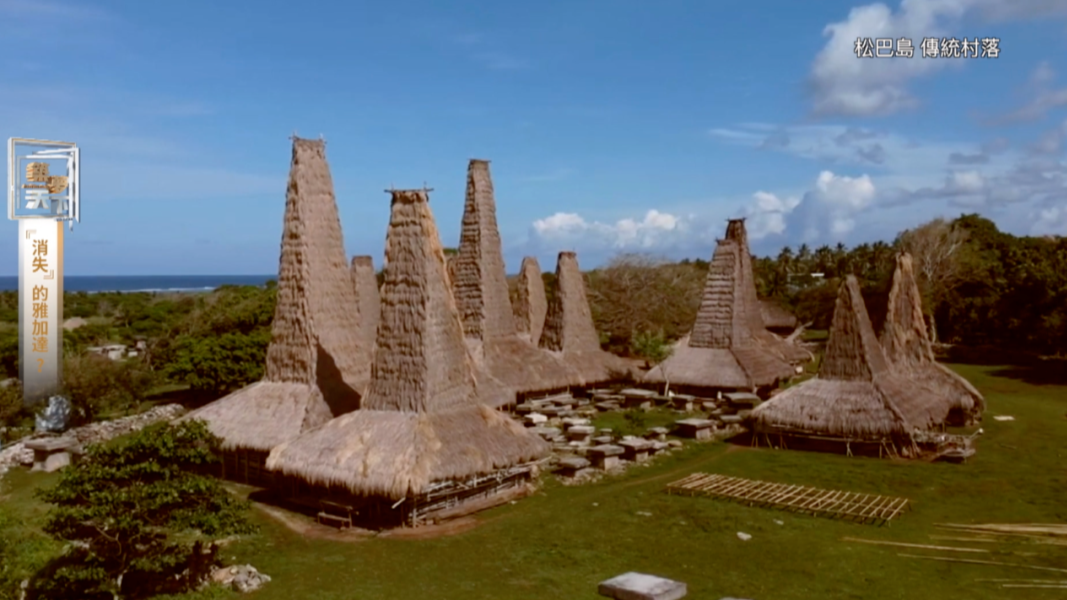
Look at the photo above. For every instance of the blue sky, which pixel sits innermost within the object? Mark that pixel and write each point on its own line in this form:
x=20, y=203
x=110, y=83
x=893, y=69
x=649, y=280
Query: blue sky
x=612, y=126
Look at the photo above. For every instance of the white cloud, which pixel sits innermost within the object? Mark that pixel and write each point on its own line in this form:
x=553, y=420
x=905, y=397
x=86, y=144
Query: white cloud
x=965, y=182
x=767, y=214
x=843, y=84
x=569, y=229
x=1045, y=97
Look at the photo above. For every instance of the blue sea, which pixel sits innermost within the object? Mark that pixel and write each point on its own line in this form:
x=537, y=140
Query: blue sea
x=146, y=283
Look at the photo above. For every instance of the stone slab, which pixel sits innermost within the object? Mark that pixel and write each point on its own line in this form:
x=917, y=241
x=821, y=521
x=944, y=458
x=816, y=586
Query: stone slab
x=731, y=419
x=546, y=432
x=637, y=393
x=601, y=440
x=636, y=445
x=606, y=450
x=573, y=463
x=51, y=444
x=640, y=586
x=695, y=423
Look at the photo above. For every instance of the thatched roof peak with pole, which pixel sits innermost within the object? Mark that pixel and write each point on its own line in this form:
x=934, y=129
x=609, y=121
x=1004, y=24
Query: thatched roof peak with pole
x=722, y=351
x=856, y=395
x=479, y=283
x=422, y=420
x=570, y=333
x=736, y=231
x=317, y=365
x=907, y=344
x=531, y=304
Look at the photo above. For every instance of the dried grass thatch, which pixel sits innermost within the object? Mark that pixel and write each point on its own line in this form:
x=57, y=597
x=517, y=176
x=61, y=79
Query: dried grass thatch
x=776, y=316
x=480, y=287
x=721, y=351
x=735, y=230
x=422, y=419
x=365, y=284
x=907, y=345
x=856, y=395
x=569, y=331
x=317, y=365
x=531, y=305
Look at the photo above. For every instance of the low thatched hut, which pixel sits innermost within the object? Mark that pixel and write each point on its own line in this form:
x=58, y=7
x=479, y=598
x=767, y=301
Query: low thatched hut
x=792, y=353
x=531, y=304
x=777, y=318
x=722, y=352
x=365, y=284
x=569, y=331
x=317, y=364
x=424, y=445
x=907, y=346
x=856, y=398
x=480, y=286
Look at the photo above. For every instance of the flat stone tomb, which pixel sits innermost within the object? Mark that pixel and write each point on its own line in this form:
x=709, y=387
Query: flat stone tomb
x=601, y=440
x=580, y=433
x=658, y=434
x=547, y=433
x=731, y=419
x=605, y=456
x=698, y=429
x=639, y=586
x=640, y=402
x=573, y=466
x=682, y=403
x=535, y=419
x=636, y=450
x=51, y=454
x=743, y=399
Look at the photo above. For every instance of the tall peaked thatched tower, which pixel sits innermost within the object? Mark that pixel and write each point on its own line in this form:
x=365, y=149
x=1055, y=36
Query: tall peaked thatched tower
x=570, y=333
x=735, y=230
x=857, y=396
x=317, y=364
x=365, y=284
x=531, y=305
x=480, y=286
x=907, y=346
x=422, y=422
x=722, y=351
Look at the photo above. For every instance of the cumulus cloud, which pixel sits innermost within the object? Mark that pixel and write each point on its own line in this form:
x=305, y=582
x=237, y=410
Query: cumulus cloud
x=655, y=230
x=843, y=84
x=767, y=214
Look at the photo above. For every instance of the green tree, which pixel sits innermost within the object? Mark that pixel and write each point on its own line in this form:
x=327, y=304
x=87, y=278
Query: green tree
x=96, y=385
x=653, y=347
x=214, y=366
x=138, y=514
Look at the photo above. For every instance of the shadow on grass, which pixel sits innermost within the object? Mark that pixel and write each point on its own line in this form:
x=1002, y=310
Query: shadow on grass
x=1019, y=365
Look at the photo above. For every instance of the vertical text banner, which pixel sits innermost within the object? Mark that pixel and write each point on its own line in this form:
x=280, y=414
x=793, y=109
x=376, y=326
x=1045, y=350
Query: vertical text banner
x=44, y=183
x=40, y=307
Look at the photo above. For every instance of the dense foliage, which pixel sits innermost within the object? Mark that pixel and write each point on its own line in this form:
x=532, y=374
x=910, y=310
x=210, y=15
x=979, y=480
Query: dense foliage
x=139, y=515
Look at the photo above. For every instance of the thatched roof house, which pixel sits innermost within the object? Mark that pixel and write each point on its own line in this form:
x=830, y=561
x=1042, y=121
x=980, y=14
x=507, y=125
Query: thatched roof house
x=422, y=421
x=777, y=317
x=722, y=351
x=570, y=333
x=906, y=342
x=735, y=230
x=531, y=305
x=857, y=396
x=317, y=364
x=365, y=284
x=481, y=292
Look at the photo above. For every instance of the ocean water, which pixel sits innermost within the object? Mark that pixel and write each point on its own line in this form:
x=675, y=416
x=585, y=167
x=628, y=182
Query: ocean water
x=146, y=283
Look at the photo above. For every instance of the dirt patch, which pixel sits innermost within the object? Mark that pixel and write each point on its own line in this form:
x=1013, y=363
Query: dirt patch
x=429, y=532
x=313, y=530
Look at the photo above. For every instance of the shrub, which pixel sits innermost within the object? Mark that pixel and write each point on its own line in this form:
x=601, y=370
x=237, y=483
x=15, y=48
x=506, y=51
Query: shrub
x=97, y=385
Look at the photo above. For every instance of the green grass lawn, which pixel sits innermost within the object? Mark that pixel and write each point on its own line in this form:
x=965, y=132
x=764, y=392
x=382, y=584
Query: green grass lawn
x=656, y=417
x=561, y=542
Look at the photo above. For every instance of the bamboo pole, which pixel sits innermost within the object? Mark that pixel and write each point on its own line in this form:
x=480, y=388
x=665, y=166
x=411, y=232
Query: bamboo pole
x=984, y=562
x=905, y=545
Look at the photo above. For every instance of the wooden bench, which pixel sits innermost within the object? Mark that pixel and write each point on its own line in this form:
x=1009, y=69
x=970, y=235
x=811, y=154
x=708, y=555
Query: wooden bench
x=326, y=518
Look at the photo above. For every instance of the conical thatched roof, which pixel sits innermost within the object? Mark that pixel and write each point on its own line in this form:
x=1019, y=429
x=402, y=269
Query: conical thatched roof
x=856, y=394
x=365, y=284
x=422, y=419
x=735, y=230
x=317, y=364
x=481, y=291
x=531, y=305
x=907, y=344
x=570, y=333
x=722, y=351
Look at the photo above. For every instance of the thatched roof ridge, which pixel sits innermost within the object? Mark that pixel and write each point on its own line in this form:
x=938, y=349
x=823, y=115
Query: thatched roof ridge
x=532, y=304
x=422, y=419
x=421, y=362
x=397, y=454
x=907, y=344
x=480, y=283
x=317, y=363
x=480, y=286
x=569, y=331
x=365, y=284
x=736, y=231
x=856, y=395
x=721, y=351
